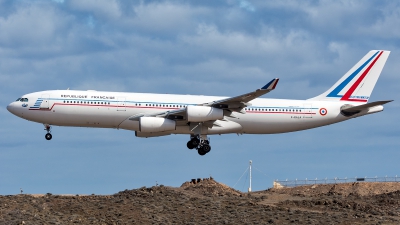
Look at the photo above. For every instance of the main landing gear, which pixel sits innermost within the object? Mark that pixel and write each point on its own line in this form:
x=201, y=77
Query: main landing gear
x=202, y=145
x=48, y=136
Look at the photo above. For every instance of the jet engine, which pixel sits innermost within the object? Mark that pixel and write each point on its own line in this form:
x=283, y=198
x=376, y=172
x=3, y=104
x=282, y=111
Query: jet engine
x=156, y=124
x=203, y=113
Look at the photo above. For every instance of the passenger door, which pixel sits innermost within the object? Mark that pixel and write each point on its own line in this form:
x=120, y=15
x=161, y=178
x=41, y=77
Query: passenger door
x=307, y=110
x=121, y=104
x=45, y=103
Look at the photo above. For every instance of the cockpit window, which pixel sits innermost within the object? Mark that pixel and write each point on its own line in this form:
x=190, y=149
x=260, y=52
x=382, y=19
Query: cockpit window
x=18, y=99
x=23, y=100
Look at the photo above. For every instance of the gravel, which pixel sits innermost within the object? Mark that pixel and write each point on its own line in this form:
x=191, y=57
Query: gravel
x=210, y=202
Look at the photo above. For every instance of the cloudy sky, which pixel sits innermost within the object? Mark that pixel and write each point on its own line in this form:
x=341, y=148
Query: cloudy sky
x=207, y=47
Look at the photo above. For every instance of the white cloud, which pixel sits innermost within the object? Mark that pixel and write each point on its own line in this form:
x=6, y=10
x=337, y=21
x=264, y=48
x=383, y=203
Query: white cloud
x=246, y=5
x=32, y=25
x=105, y=9
x=165, y=17
x=385, y=26
x=91, y=21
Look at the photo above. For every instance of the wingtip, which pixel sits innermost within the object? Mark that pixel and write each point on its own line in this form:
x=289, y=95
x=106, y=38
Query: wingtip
x=271, y=85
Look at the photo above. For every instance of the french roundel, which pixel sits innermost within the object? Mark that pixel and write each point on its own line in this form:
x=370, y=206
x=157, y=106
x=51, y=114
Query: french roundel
x=323, y=111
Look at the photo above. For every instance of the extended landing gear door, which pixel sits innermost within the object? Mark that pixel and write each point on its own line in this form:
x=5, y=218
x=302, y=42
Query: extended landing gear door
x=45, y=102
x=121, y=104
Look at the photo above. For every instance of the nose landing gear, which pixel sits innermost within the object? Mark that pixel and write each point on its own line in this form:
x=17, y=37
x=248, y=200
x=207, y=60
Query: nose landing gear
x=200, y=143
x=48, y=136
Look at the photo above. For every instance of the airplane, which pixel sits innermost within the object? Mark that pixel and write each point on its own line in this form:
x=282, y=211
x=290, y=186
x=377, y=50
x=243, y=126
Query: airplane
x=154, y=115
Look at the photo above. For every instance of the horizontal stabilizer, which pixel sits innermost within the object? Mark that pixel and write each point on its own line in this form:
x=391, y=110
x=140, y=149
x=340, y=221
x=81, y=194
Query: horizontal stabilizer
x=359, y=108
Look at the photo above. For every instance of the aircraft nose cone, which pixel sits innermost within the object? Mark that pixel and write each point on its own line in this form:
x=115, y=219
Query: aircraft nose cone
x=10, y=108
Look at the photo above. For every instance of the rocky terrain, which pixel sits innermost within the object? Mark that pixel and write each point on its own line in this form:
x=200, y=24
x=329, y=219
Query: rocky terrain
x=209, y=202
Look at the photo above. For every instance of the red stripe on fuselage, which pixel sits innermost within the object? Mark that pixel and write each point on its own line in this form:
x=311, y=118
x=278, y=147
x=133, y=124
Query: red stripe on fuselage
x=105, y=105
x=149, y=107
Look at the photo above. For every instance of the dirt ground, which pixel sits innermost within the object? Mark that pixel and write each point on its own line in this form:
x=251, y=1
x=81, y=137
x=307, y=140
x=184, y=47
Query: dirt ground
x=210, y=202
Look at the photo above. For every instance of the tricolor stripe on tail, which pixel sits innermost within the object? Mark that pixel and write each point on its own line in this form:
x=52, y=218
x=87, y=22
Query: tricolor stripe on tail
x=357, y=84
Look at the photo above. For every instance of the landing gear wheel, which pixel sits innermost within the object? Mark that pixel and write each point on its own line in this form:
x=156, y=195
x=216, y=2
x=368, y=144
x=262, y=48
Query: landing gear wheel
x=200, y=143
x=190, y=145
x=201, y=151
x=195, y=142
x=206, y=148
x=48, y=136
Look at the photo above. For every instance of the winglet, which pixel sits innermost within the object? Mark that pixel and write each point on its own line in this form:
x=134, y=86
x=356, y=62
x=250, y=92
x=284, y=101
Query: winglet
x=271, y=85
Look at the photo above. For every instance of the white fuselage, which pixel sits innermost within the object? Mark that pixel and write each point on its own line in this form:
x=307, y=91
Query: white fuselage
x=113, y=110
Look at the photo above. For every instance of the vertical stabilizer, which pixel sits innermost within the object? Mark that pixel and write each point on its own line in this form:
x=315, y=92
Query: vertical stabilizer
x=357, y=84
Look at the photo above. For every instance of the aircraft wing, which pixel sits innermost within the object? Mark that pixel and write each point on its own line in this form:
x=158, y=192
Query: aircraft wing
x=234, y=104
x=241, y=101
x=172, y=114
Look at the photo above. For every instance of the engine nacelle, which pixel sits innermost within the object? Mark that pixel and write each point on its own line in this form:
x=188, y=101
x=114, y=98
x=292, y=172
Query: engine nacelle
x=155, y=124
x=203, y=113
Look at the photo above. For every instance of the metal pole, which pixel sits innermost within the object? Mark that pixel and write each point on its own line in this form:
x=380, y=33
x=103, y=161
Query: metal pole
x=250, y=176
